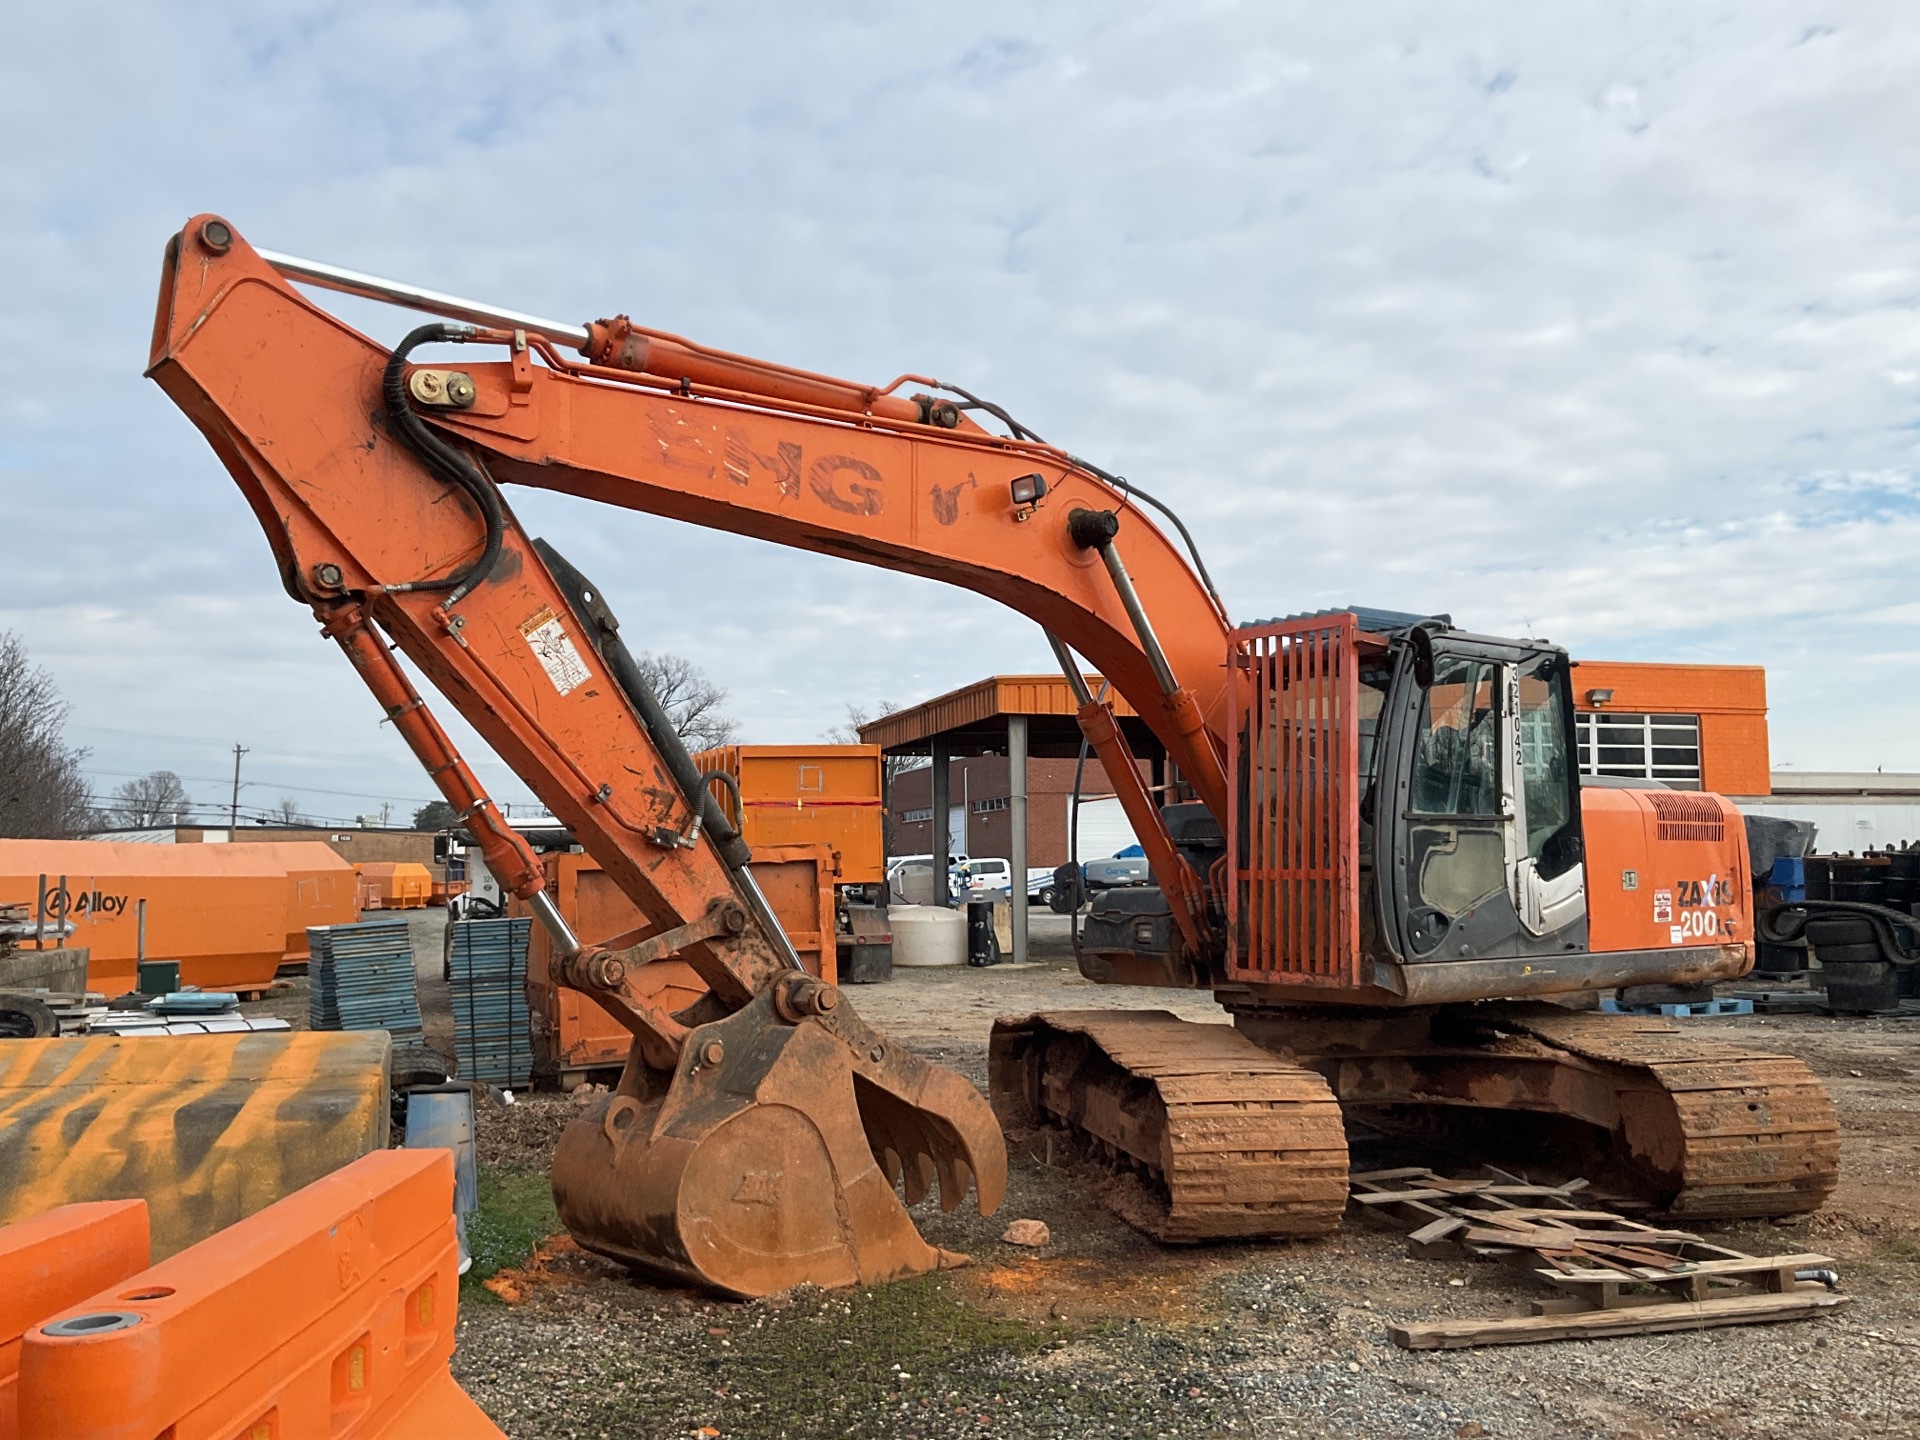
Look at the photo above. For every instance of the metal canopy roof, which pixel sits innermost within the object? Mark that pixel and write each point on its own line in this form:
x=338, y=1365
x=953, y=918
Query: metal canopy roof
x=973, y=720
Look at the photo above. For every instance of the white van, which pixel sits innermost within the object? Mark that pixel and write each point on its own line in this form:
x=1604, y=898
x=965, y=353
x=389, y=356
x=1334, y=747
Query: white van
x=987, y=877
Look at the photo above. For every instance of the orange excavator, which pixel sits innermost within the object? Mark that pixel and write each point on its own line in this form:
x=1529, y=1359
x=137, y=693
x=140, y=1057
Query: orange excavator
x=1381, y=858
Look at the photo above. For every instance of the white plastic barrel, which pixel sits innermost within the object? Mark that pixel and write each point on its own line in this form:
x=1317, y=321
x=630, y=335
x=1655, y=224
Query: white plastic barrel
x=928, y=935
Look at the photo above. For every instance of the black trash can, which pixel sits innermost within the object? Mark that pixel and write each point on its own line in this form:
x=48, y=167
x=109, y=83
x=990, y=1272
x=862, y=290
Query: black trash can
x=983, y=946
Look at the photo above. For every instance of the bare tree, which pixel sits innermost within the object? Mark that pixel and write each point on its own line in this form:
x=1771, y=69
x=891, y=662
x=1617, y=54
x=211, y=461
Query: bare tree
x=691, y=700
x=849, y=734
x=287, y=812
x=43, y=794
x=157, y=798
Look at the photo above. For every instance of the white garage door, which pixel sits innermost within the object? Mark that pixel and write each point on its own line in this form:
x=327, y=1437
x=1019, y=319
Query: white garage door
x=1103, y=829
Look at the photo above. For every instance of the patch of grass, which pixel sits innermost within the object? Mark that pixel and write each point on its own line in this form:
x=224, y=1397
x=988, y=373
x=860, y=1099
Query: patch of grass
x=825, y=1364
x=516, y=1213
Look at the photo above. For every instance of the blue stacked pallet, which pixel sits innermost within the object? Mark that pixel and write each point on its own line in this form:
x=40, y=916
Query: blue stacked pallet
x=361, y=978
x=491, y=1033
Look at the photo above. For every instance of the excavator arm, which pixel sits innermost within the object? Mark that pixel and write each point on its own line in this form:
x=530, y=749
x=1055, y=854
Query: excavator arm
x=756, y=1138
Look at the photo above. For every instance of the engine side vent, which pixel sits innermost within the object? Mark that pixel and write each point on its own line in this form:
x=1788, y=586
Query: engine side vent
x=1688, y=817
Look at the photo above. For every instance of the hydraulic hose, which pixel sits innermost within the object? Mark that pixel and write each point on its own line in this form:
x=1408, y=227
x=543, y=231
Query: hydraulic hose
x=443, y=460
x=1119, y=482
x=1127, y=487
x=1787, y=925
x=590, y=608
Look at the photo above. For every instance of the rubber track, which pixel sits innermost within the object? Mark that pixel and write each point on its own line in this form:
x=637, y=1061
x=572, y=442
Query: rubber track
x=1240, y=1142
x=1759, y=1135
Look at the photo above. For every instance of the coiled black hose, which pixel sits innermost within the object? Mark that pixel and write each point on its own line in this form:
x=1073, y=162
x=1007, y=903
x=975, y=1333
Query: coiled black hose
x=443, y=460
x=1787, y=925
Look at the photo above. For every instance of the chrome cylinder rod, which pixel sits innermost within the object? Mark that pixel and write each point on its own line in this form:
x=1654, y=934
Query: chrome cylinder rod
x=565, y=942
x=770, y=922
x=1075, y=680
x=432, y=302
x=1136, y=612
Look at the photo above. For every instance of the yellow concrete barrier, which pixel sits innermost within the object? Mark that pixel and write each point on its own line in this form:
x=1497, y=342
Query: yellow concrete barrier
x=208, y=1129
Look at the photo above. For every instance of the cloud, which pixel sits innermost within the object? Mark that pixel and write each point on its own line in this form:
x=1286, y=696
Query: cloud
x=1590, y=321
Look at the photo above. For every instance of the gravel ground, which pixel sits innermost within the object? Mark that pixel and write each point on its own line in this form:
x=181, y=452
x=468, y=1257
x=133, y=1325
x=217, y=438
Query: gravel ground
x=1102, y=1333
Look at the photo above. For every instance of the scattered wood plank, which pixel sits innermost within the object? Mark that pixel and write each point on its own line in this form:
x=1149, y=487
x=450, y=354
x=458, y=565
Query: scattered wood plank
x=1618, y=1276
x=1649, y=1317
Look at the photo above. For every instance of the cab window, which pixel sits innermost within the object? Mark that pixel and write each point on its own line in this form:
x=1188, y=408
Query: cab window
x=1546, y=758
x=1455, y=766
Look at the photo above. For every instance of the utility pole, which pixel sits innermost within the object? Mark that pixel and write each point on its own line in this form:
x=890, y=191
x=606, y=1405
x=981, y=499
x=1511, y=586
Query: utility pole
x=233, y=809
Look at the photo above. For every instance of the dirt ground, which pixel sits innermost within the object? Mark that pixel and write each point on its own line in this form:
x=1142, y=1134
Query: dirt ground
x=1102, y=1333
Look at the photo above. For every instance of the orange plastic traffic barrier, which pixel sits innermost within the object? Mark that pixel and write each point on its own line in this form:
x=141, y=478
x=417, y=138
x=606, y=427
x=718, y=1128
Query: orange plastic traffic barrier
x=54, y=1261
x=328, y=1316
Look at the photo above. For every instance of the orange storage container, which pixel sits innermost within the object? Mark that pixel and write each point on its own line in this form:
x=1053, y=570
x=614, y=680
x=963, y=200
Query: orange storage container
x=227, y=913
x=323, y=890
x=394, y=885
x=810, y=795
x=571, y=1034
x=1730, y=702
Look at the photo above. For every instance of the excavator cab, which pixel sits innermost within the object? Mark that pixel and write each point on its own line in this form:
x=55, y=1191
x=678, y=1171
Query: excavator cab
x=1472, y=799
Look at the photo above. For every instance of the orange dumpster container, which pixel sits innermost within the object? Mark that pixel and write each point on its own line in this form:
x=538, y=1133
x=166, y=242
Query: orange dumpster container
x=394, y=885
x=809, y=795
x=323, y=890
x=225, y=912
x=571, y=1034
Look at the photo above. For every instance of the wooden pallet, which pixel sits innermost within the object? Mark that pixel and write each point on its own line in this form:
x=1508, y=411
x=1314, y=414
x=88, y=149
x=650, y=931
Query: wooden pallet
x=1617, y=1275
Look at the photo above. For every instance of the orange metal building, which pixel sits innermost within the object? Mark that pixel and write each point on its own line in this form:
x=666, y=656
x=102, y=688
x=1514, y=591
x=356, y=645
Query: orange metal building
x=1692, y=726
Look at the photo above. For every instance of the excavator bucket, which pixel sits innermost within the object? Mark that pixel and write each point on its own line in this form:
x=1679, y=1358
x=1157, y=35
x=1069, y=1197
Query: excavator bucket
x=772, y=1156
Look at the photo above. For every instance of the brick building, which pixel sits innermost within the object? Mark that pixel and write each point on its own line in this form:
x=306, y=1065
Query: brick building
x=979, y=790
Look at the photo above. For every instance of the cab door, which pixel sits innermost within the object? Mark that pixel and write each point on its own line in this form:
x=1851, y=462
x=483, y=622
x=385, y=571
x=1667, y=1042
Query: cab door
x=1478, y=854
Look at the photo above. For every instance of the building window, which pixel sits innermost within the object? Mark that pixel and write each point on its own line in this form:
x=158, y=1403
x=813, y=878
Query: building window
x=914, y=817
x=1641, y=747
x=998, y=802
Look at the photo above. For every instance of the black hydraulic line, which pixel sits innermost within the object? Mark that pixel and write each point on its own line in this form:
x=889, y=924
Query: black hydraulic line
x=442, y=459
x=1128, y=488
x=733, y=787
x=1080, y=893
x=1119, y=482
x=974, y=402
x=590, y=608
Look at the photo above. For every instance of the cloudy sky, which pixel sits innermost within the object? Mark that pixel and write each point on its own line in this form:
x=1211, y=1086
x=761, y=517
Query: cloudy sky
x=1599, y=322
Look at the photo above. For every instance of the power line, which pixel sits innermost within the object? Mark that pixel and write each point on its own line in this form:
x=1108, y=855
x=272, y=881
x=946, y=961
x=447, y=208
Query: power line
x=268, y=785
x=204, y=743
